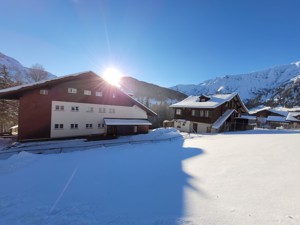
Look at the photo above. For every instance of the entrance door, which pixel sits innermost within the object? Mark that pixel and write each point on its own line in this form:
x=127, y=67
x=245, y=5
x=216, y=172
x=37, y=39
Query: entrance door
x=195, y=127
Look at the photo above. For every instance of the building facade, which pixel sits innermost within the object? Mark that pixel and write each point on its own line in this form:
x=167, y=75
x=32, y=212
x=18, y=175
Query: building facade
x=206, y=114
x=76, y=105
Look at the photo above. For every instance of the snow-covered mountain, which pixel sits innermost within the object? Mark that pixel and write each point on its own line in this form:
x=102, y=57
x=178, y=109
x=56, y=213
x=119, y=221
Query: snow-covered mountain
x=264, y=86
x=16, y=70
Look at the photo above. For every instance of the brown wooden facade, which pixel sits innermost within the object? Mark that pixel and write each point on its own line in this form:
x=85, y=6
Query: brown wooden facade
x=209, y=115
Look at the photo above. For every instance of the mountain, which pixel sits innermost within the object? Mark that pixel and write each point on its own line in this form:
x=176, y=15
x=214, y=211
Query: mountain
x=153, y=96
x=275, y=86
x=16, y=70
x=152, y=93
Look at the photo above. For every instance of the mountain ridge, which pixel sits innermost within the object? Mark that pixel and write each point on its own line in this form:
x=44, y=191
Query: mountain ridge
x=16, y=70
x=266, y=84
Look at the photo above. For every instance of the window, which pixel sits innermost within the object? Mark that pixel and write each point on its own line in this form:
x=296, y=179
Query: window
x=195, y=112
x=178, y=111
x=43, y=92
x=75, y=108
x=99, y=93
x=59, y=108
x=112, y=111
x=201, y=113
x=87, y=92
x=89, y=126
x=58, y=126
x=100, y=125
x=74, y=126
x=72, y=90
x=207, y=113
x=90, y=109
x=101, y=110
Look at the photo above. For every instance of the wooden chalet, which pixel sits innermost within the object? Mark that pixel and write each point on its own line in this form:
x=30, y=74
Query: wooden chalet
x=79, y=104
x=206, y=114
x=273, y=118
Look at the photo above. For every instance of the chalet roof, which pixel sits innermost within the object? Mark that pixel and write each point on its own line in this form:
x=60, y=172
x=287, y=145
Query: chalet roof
x=277, y=119
x=292, y=116
x=221, y=120
x=279, y=111
x=17, y=91
x=214, y=101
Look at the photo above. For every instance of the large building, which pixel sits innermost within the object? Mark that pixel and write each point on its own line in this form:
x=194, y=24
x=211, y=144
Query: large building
x=206, y=114
x=76, y=105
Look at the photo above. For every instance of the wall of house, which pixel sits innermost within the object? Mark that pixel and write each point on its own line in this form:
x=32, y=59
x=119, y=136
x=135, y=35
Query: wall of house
x=34, y=116
x=35, y=113
x=91, y=114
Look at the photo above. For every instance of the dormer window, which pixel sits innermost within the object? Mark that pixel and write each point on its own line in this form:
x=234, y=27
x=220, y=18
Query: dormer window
x=204, y=98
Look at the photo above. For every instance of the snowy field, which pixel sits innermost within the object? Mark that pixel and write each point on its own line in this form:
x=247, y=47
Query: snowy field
x=246, y=178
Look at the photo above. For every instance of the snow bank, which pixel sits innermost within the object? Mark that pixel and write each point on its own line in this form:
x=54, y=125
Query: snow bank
x=234, y=178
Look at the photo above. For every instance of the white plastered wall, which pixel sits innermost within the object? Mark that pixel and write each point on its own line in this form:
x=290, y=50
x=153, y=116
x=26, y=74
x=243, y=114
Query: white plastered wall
x=83, y=116
x=187, y=126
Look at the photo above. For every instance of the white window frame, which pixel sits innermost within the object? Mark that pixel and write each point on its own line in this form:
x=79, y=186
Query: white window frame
x=178, y=112
x=98, y=93
x=89, y=126
x=74, y=126
x=112, y=110
x=58, y=126
x=87, y=92
x=102, y=110
x=72, y=90
x=75, y=108
x=44, y=92
x=90, y=109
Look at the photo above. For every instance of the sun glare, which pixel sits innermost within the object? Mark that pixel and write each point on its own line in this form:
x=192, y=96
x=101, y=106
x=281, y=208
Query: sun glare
x=112, y=76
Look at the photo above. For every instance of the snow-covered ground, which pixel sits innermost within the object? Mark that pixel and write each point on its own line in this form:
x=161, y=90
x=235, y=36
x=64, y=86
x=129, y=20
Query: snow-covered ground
x=245, y=178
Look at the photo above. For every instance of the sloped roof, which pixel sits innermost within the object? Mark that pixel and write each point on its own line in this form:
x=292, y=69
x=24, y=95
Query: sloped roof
x=277, y=119
x=221, y=120
x=278, y=110
x=214, y=101
x=17, y=91
x=292, y=116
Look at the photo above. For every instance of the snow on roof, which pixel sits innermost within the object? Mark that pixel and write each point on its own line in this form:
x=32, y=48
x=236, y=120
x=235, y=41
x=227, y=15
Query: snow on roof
x=292, y=116
x=222, y=119
x=213, y=102
x=126, y=122
x=277, y=119
x=247, y=117
x=279, y=110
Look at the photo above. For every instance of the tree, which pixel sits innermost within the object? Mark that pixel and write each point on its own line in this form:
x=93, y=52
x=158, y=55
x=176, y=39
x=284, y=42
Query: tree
x=8, y=108
x=37, y=73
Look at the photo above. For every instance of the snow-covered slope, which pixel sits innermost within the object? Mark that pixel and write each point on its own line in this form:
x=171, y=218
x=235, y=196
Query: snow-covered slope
x=16, y=70
x=247, y=85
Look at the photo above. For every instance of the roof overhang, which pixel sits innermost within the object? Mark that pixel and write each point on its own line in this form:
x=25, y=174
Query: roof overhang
x=126, y=122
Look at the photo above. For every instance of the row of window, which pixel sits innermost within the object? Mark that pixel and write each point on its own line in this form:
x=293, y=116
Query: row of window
x=74, y=91
x=85, y=92
x=201, y=113
x=89, y=109
x=60, y=126
x=196, y=112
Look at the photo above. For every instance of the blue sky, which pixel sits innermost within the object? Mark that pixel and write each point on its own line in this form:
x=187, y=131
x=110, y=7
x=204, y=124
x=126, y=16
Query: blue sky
x=158, y=41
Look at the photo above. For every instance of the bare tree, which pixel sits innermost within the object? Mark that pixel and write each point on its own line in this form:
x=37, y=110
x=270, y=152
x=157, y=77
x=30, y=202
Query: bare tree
x=37, y=73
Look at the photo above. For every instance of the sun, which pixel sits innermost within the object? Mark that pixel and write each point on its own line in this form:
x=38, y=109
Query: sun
x=112, y=76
